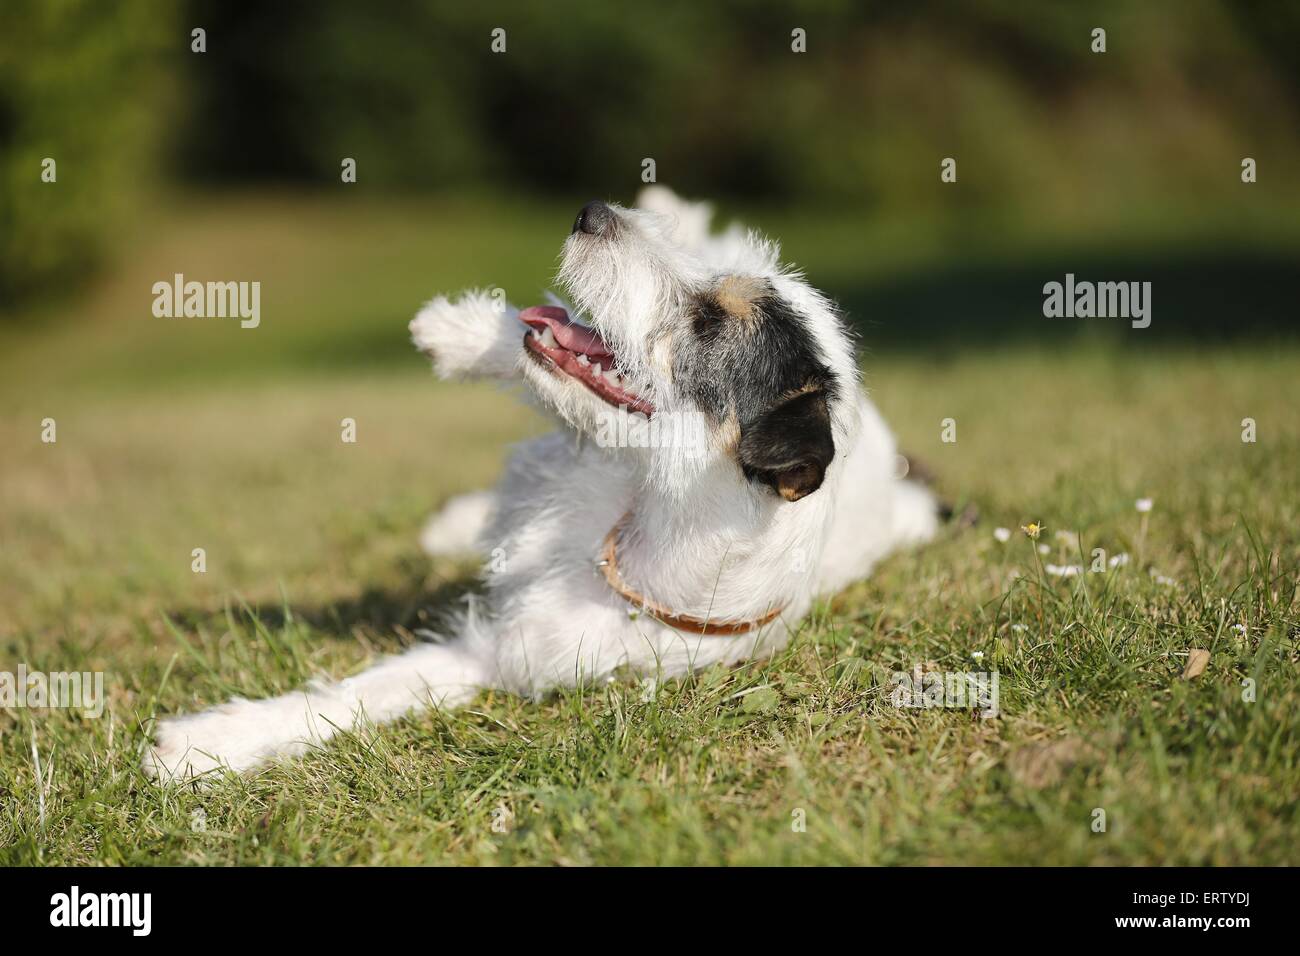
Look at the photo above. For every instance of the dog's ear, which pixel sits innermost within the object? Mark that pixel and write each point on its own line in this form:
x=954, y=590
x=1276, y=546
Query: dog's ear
x=790, y=446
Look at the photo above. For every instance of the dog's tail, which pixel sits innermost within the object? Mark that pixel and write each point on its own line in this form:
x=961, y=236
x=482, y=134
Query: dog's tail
x=243, y=734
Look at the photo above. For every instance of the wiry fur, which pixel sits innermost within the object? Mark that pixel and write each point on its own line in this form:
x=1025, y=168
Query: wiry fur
x=705, y=538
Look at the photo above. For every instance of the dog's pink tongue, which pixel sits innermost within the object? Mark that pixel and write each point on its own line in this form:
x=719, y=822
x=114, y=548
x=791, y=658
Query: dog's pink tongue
x=574, y=337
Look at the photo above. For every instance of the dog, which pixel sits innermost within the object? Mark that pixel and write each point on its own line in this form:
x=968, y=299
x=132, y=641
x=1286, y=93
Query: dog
x=613, y=548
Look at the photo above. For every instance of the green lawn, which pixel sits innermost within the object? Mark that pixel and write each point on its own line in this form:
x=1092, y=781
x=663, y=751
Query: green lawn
x=176, y=434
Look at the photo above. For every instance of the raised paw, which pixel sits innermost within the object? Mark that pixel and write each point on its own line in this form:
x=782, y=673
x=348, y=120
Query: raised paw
x=477, y=335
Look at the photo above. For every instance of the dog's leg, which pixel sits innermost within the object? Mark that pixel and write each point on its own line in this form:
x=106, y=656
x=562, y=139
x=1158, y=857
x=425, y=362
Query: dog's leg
x=916, y=514
x=692, y=218
x=478, y=335
x=726, y=250
x=243, y=734
x=456, y=529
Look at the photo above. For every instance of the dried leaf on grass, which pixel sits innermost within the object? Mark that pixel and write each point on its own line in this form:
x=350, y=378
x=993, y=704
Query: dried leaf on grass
x=1197, y=658
x=1043, y=764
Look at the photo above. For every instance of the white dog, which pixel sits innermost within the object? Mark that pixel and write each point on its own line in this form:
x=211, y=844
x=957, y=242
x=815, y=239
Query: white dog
x=616, y=544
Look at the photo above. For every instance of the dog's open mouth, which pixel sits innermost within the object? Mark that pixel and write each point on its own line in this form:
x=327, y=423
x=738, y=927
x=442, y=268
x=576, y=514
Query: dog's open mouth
x=579, y=352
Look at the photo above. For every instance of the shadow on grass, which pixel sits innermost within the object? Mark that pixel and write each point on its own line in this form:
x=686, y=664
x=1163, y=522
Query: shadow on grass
x=377, y=614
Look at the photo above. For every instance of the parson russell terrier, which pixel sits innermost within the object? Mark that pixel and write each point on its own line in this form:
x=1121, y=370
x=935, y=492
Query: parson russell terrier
x=654, y=557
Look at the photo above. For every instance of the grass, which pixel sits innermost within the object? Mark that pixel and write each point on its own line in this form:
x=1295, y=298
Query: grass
x=177, y=436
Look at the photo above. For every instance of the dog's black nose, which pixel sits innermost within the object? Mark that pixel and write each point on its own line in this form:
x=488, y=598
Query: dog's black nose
x=594, y=218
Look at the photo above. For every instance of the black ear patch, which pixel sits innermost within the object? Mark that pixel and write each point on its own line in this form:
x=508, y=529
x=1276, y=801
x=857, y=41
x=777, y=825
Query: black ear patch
x=749, y=357
x=790, y=446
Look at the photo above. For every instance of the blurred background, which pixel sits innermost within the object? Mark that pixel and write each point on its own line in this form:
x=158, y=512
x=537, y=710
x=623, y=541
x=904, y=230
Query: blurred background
x=225, y=165
x=1122, y=162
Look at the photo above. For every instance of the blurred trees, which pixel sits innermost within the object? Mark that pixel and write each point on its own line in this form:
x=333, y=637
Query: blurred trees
x=713, y=93
x=585, y=91
x=79, y=84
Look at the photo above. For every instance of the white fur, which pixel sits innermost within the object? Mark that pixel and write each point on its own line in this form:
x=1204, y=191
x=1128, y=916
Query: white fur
x=703, y=539
x=455, y=530
x=475, y=336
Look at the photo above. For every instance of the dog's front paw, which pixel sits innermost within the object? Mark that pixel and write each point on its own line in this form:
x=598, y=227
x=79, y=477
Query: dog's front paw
x=476, y=335
x=692, y=218
x=234, y=736
x=173, y=756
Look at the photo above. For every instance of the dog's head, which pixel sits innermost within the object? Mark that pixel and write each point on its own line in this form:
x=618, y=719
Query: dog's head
x=718, y=356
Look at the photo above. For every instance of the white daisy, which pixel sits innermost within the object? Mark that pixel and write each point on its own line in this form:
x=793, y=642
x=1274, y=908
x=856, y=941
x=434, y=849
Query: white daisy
x=1063, y=570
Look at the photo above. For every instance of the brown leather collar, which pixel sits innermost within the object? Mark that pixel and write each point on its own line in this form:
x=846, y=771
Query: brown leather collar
x=682, y=622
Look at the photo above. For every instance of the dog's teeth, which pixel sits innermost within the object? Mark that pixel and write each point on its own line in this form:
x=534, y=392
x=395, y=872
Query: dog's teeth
x=613, y=377
x=583, y=360
x=548, y=339
x=536, y=334
x=595, y=367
